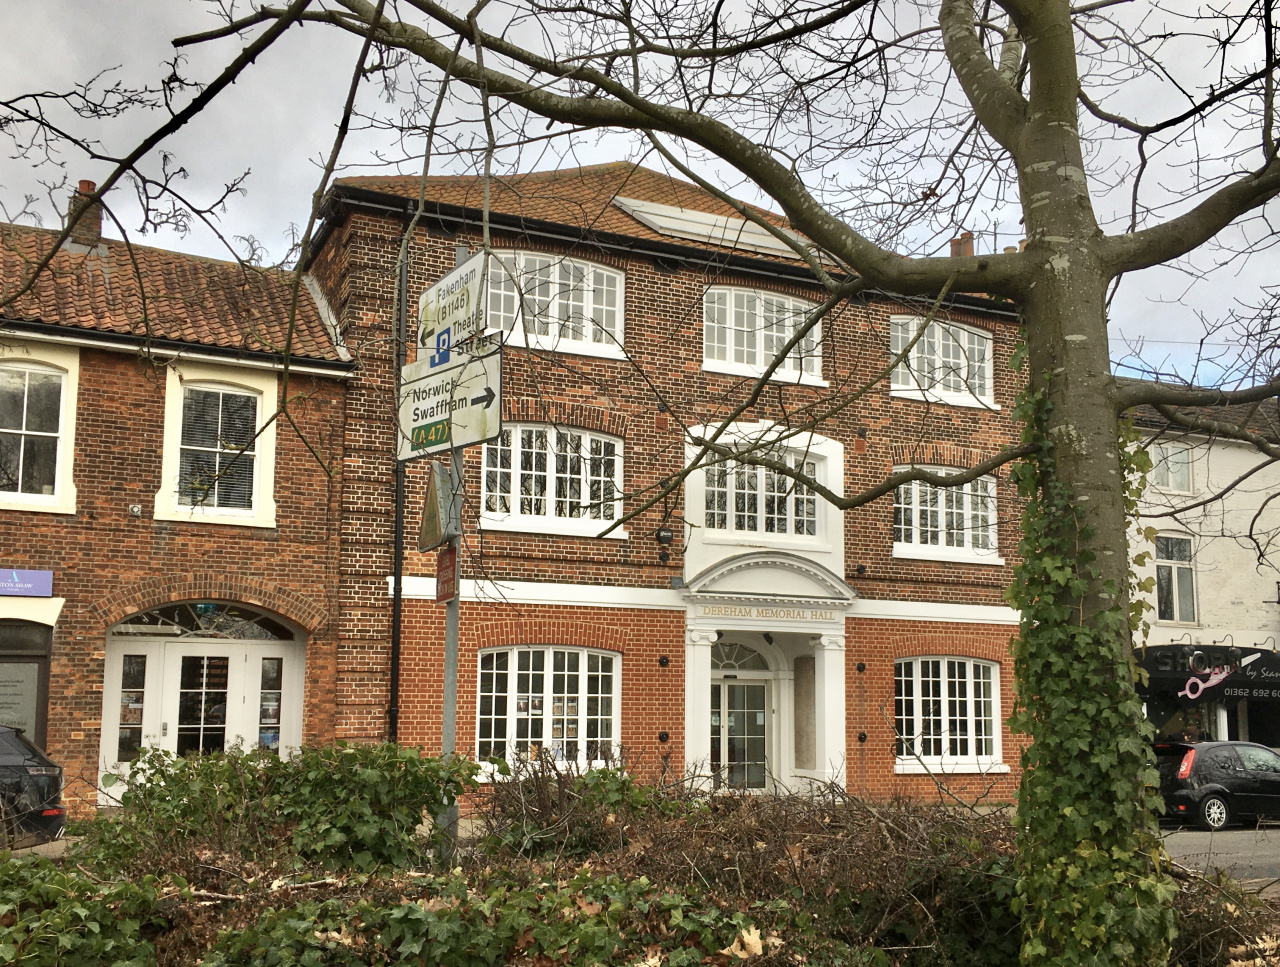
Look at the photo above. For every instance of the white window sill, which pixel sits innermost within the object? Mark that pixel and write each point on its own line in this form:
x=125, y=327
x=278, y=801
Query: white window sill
x=1165, y=623
x=916, y=767
x=1170, y=490
x=753, y=539
x=755, y=372
x=946, y=399
x=954, y=555
x=513, y=339
x=201, y=515
x=38, y=503
x=558, y=526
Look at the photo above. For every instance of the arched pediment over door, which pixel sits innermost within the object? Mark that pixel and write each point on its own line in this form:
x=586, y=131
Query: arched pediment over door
x=763, y=582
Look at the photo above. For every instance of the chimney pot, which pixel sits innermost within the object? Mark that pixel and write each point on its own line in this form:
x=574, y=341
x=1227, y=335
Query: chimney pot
x=1011, y=250
x=88, y=230
x=966, y=243
x=955, y=248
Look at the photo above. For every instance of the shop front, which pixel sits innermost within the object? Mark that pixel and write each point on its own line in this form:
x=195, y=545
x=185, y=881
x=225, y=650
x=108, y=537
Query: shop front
x=1205, y=692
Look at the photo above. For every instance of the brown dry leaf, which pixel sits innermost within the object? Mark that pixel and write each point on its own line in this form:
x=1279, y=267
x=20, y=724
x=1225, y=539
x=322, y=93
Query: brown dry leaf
x=587, y=906
x=746, y=945
x=439, y=903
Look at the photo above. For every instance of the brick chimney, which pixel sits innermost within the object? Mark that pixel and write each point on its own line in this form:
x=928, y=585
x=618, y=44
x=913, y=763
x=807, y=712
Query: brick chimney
x=88, y=230
x=962, y=245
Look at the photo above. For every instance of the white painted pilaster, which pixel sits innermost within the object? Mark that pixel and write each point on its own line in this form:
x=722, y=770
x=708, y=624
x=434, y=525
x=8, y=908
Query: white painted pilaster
x=697, y=699
x=782, y=758
x=829, y=713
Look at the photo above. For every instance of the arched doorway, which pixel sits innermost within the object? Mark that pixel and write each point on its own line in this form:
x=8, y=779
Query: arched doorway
x=201, y=676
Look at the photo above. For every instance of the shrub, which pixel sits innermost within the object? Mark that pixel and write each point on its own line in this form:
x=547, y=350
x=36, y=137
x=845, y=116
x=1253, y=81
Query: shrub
x=50, y=917
x=342, y=807
x=455, y=922
x=542, y=806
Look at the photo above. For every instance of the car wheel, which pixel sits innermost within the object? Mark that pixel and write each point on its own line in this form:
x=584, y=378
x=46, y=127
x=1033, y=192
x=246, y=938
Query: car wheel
x=1214, y=813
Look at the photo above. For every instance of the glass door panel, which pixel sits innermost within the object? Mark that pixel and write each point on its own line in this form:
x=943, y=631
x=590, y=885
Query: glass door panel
x=202, y=704
x=739, y=713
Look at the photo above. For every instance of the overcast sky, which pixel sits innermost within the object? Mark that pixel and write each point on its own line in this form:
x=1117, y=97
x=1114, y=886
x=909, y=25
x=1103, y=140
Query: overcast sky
x=277, y=122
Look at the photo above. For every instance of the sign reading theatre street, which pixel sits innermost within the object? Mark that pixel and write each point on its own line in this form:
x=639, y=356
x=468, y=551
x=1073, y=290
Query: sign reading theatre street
x=455, y=406
x=451, y=312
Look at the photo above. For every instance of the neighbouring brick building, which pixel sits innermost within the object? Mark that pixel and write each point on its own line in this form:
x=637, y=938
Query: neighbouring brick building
x=774, y=639
x=156, y=585
x=204, y=593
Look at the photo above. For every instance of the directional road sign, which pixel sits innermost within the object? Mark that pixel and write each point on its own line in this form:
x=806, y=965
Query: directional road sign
x=451, y=312
x=446, y=408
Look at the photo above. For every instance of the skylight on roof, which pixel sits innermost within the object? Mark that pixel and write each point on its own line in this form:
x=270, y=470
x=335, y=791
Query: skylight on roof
x=704, y=227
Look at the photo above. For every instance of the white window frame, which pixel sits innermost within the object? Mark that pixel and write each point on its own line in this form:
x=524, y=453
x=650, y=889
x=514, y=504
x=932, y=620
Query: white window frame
x=944, y=748
x=504, y=470
x=65, y=362
x=547, y=713
x=1188, y=566
x=739, y=339
x=508, y=310
x=179, y=376
x=1161, y=478
x=907, y=381
x=951, y=503
x=733, y=502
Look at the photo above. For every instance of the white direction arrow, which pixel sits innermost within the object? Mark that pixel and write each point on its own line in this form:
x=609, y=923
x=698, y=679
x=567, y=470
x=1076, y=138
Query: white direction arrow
x=454, y=407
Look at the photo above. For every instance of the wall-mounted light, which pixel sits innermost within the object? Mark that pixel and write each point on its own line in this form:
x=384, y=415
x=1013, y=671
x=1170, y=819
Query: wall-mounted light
x=663, y=661
x=664, y=536
x=862, y=736
x=862, y=432
x=862, y=667
x=860, y=570
x=663, y=737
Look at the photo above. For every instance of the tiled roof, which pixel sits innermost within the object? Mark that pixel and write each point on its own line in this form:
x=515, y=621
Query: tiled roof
x=188, y=299
x=578, y=197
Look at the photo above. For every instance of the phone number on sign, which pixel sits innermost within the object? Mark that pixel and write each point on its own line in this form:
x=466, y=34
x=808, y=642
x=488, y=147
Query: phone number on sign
x=1251, y=692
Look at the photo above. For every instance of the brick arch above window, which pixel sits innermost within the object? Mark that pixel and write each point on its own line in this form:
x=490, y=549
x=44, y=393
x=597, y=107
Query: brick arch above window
x=582, y=416
x=567, y=632
x=938, y=455
x=310, y=615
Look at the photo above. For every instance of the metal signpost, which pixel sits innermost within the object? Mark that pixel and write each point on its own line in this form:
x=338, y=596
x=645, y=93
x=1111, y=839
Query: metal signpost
x=449, y=399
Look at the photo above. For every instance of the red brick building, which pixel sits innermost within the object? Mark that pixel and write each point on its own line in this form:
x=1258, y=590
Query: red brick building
x=774, y=639
x=219, y=576
x=178, y=545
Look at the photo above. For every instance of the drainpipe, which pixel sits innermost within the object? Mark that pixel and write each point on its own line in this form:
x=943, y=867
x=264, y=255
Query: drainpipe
x=397, y=568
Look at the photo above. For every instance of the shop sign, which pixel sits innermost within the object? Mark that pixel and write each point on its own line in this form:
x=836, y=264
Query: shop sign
x=1211, y=673
x=26, y=584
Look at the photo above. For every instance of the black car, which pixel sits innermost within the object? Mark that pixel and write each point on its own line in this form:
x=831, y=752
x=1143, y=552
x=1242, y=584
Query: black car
x=31, y=808
x=1215, y=783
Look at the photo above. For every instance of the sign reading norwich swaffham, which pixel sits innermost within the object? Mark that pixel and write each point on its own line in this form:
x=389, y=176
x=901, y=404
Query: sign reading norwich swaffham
x=449, y=408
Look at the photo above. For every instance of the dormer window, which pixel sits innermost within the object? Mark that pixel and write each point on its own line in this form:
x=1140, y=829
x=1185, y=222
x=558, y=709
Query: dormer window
x=555, y=303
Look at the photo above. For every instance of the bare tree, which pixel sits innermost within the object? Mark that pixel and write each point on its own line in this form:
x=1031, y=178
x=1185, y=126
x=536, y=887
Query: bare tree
x=879, y=128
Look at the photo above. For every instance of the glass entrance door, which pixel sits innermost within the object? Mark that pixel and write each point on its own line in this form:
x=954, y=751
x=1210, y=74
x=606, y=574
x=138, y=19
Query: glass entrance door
x=195, y=713
x=739, y=713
